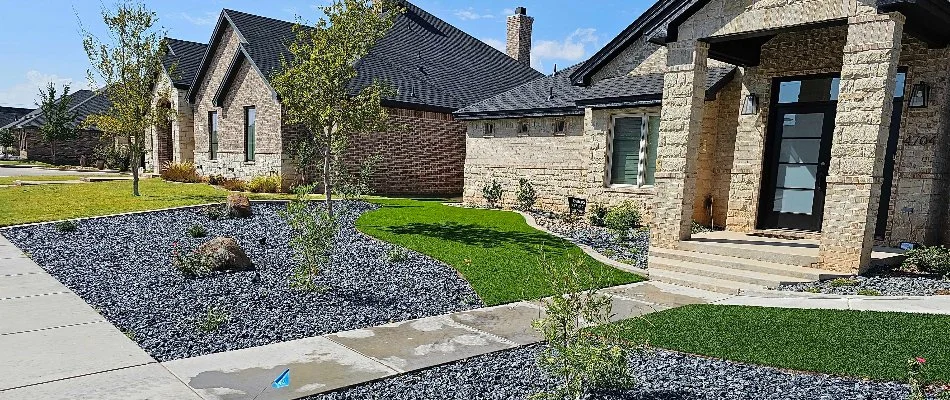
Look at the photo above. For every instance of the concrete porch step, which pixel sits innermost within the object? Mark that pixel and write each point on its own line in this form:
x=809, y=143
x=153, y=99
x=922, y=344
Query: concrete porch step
x=702, y=282
x=745, y=264
x=798, y=253
x=729, y=274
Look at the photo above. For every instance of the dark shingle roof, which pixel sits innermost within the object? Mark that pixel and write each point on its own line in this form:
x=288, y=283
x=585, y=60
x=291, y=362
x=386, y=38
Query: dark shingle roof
x=82, y=102
x=430, y=62
x=555, y=95
x=183, y=59
x=10, y=115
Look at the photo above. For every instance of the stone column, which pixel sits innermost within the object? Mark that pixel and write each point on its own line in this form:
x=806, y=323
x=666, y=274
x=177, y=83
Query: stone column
x=681, y=118
x=862, y=125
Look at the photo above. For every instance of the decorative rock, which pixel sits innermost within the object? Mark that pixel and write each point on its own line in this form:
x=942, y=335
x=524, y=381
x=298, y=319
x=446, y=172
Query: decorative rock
x=225, y=254
x=239, y=206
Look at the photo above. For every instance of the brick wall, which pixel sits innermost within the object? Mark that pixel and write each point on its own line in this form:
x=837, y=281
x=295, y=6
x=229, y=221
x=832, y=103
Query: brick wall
x=67, y=152
x=424, y=155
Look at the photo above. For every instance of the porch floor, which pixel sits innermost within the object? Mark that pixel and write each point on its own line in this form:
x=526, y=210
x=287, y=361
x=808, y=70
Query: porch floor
x=798, y=248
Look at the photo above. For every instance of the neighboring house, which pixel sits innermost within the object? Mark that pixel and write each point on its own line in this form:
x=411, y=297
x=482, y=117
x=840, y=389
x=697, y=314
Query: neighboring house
x=175, y=141
x=9, y=115
x=434, y=68
x=82, y=103
x=833, y=122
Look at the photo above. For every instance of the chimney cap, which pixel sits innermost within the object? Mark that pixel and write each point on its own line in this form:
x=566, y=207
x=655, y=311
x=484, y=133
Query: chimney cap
x=521, y=11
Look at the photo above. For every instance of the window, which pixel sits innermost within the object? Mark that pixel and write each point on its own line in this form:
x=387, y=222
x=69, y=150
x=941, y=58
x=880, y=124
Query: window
x=809, y=90
x=559, y=126
x=213, y=135
x=489, y=129
x=523, y=127
x=635, y=142
x=250, y=117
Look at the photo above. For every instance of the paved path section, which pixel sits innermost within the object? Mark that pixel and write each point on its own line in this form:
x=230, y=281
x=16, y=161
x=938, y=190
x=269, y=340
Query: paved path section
x=55, y=346
x=906, y=304
x=329, y=362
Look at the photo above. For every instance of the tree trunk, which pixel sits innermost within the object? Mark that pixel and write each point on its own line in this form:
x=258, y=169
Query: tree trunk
x=327, y=181
x=134, y=164
x=52, y=151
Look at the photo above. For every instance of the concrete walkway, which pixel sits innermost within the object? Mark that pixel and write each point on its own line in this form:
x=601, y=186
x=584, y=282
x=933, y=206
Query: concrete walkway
x=55, y=346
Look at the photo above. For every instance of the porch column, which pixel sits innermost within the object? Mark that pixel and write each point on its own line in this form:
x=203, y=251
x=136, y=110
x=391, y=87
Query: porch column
x=684, y=89
x=865, y=101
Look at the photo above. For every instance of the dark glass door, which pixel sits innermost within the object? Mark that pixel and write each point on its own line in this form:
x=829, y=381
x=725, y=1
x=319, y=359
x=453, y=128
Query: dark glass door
x=798, y=158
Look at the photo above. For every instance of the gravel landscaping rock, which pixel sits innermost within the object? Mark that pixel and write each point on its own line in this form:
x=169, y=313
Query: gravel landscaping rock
x=514, y=374
x=122, y=266
x=879, y=285
x=632, y=251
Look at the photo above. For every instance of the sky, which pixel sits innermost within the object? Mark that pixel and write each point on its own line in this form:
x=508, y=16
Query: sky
x=40, y=40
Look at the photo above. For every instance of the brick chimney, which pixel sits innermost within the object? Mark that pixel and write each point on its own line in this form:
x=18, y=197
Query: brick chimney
x=519, y=36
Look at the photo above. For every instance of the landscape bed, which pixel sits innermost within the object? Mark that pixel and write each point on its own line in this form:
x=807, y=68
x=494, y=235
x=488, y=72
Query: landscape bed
x=122, y=266
x=632, y=250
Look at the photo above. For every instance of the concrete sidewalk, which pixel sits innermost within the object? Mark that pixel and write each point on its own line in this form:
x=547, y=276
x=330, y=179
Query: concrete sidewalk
x=329, y=362
x=905, y=304
x=55, y=346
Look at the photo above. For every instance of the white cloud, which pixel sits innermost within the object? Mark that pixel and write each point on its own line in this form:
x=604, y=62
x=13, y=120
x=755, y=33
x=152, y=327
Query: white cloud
x=25, y=94
x=208, y=19
x=572, y=49
x=498, y=44
x=470, y=14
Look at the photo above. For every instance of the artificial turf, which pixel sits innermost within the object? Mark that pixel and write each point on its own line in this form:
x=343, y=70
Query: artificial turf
x=496, y=251
x=874, y=345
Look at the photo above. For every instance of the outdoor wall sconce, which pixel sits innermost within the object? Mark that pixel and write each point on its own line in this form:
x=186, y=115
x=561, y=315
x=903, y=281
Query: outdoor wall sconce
x=920, y=95
x=750, y=105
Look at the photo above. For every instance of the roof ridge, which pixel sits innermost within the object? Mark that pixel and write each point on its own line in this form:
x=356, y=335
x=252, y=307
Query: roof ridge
x=186, y=41
x=227, y=10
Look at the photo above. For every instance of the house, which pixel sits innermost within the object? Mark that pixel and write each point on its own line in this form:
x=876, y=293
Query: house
x=434, y=68
x=825, y=119
x=82, y=103
x=175, y=141
x=9, y=115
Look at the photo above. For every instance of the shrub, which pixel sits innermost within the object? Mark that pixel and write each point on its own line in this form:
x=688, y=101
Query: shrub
x=215, y=211
x=233, y=184
x=584, y=359
x=180, y=172
x=66, y=226
x=213, y=319
x=492, y=193
x=597, y=214
x=623, y=218
x=397, y=254
x=931, y=260
x=842, y=282
x=117, y=157
x=191, y=263
x=312, y=239
x=265, y=184
x=526, y=195
x=197, y=231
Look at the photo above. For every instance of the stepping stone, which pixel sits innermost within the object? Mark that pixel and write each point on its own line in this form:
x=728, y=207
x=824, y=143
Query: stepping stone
x=316, y=365
x=143, y=382
x=510, y=321
x=421, y=343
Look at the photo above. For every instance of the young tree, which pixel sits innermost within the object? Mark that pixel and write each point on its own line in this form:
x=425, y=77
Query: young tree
x=128, y=64
x=58, y=125
x=313, y=85
x=7, y=140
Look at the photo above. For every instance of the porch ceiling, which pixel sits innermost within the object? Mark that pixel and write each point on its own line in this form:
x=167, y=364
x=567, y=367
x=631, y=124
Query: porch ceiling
x=745, y=49
x=928, y=20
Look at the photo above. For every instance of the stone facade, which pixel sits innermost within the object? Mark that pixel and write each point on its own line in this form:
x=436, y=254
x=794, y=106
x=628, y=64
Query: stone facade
x=175, y=141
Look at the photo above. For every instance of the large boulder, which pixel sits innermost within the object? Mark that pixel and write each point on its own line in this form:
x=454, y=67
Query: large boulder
x=225, y=254
x=238, y=206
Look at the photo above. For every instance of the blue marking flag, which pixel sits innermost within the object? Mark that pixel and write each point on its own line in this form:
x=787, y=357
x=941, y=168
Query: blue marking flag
x=283, y=380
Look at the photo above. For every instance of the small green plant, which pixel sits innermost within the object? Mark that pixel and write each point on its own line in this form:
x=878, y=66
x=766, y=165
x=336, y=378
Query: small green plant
x=915, y=378
x=213, y=319
x=526, y=195
x=66, y=226
x=813, y=290
x=197, y=231
x=623, y=218
x=492, y=193
x=313, y=238
x=265, y=184
x=582, y=348
x=190, y=263
x=397, y=254
x=842, y=282
x=931, y=260
x=868, y=292
x=597, y=214
x=215, y=212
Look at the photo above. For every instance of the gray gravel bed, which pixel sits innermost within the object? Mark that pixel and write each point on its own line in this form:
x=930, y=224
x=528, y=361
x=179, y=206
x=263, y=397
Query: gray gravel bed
x=661, y=375
x=879, y=285
x=632, y=251
x=121, y=266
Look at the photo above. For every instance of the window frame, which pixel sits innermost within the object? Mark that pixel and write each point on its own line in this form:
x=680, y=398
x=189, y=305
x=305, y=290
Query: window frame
x=559, y=126
x=213, y=127
x=488, y=129
x=250, y=134
x=643, y=150
x=524, y=127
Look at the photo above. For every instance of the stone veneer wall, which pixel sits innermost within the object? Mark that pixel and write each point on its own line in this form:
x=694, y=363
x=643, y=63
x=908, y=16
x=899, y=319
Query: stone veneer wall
x=425, y=156
x=67, y=152
x=248, y=89
x=182, y=130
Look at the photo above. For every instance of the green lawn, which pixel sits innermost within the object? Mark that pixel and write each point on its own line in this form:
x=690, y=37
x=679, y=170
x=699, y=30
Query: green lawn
x=496, y=251
x=874, y=345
